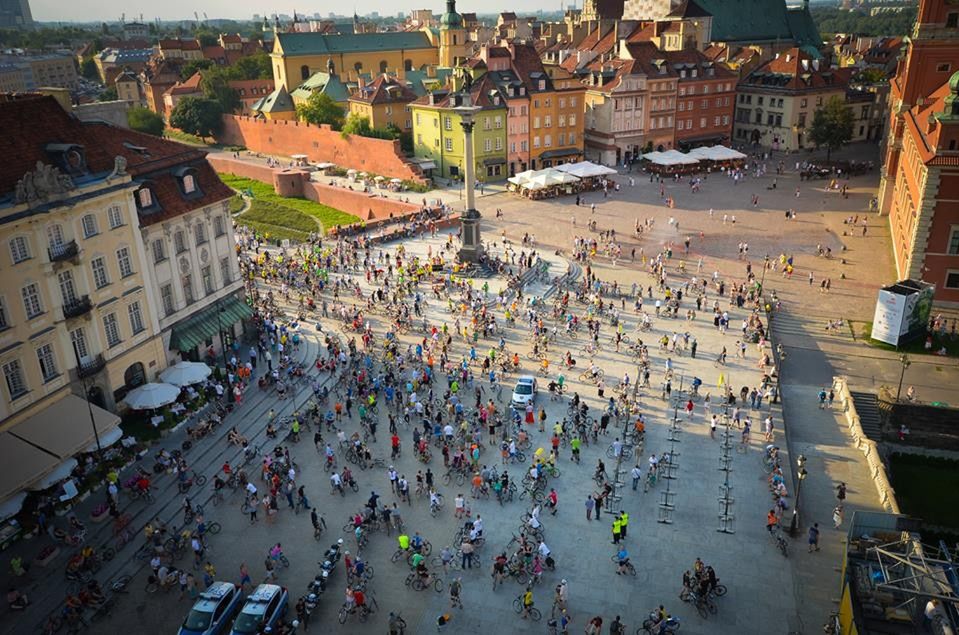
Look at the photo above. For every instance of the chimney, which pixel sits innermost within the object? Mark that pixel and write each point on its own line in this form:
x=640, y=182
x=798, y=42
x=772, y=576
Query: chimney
x=431, y=71
x=789, y=57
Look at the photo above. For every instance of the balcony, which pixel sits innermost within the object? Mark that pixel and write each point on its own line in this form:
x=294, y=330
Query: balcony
x=64, y=251
x=91, y=366
x=77, y=307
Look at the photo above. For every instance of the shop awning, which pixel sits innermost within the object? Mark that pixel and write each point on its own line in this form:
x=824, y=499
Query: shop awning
x=495, y=161
x=568, y=152
x=428, y=165
x=201, y=326
x=63, y=428
x=23, y=465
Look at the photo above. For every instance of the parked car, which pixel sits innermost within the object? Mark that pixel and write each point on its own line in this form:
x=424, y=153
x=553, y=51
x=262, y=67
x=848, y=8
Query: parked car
x=212, y=611
x=524, y=392
x=264, y=607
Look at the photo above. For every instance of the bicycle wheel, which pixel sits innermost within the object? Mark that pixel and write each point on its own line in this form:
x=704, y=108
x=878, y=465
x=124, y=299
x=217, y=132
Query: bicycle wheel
x=396, y=555
x=438, y=585
x=108, y=553
x=343, y=615
x=214, y=528
x=152, y=587
x=447, y=478
x=631, y=570
x=720, y=590
x=517, y=605
x=702, y=610
x=417, y=584
x=711, y=606
x=284, y=561
x=534, y=614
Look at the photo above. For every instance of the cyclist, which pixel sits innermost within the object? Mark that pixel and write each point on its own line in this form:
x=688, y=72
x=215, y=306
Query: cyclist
x=623, y=557
x=404, y=542
x=574, y=445
x=499, y=569
x=527, y=601
x=416, y=542
x=659, y=618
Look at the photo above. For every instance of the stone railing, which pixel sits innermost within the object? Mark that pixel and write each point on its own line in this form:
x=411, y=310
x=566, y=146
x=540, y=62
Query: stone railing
x=887, y=495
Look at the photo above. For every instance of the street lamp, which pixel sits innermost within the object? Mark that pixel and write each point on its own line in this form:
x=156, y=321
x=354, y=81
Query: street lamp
x=762, y=281
x=904, y=360
x=226, y=368
x=800, y=477
x=86, y=396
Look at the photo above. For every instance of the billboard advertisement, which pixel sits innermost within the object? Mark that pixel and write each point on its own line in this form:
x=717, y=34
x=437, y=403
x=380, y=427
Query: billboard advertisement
x=887, y=321
x=902, y=312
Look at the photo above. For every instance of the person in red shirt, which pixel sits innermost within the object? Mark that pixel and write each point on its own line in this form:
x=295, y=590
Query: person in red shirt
x=552, y=501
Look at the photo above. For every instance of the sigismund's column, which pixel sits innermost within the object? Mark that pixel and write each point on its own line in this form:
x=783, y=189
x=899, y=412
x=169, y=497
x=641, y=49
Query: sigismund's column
x=472, y=249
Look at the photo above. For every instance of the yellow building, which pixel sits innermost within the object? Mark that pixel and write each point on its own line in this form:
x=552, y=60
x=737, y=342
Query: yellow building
x=385, y=101
x=82, y=308
x=453, y=38
x=297, y=56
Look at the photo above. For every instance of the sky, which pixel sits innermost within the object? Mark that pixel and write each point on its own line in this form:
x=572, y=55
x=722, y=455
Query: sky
x=100, y=10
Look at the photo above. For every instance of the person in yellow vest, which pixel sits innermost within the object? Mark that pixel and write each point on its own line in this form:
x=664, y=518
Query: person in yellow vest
x=617, y=530
x=623, y=522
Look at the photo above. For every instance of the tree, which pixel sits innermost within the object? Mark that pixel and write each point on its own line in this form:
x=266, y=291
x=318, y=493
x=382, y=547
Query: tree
x=145, y=120
x=872, y=76
x=110, y=94
x=215, y=84
x=191, y=67
x=256, y=66
x=832, y=126
x=89, y=70
x=198, y=116
x=357, y=124
x=320, y=108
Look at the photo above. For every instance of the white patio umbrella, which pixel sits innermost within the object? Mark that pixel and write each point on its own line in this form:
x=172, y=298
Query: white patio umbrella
x=149, y=396
x=185, y=373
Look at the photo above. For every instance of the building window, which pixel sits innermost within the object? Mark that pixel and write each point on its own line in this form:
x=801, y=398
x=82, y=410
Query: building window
x=89, y=223
x=497, y=122
x=19, y=249
x=136, y=318
x=536, y=119
x=79, y=340
x=547, y=121
x=116, y=218
x=802, y=120
x=682, y=106
x=207, y=274
x=159, y=250
x=225, y=271
x=572, y=120
x=166, y=299
x=124, y=263
x=486, y=123
x=187, y=282
x=487, y=145
x=179, y=243
x=499, y=143
x=67, y=291
x=447, y=123
x=952, y=20
x=944, y=67
x=548, y=141
x=449, y=144
x=112, y=329
x=219, y=226
x=572, y=138
x=48, y=364
x=199, y=233
x=189, y=184
x=4, y=320
x=55, y=238
x=100, y=278
x=535, y=142
x=952, y=279
x=702, y=122
x=31, y=300
x=953, y=248
x=13, y=373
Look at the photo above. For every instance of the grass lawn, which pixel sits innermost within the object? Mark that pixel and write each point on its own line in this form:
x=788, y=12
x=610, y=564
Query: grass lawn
x=924, y=485
x=863, y=330
x=327, y=216
x=278, y=222
x=236, y=203
x=183, y=137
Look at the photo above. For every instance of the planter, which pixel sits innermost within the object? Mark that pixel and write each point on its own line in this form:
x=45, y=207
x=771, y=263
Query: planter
x=46, y=556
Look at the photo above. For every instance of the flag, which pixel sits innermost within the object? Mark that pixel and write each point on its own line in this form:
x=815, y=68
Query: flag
x=722, y=380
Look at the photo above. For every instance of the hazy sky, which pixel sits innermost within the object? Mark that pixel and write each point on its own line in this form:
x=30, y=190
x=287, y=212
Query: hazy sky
x=89, y=10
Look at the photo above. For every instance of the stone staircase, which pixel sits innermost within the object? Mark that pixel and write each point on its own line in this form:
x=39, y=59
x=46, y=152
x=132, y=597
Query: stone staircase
x=867, y=406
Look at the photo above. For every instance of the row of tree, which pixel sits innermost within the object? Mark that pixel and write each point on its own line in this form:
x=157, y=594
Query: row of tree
x=831, y=20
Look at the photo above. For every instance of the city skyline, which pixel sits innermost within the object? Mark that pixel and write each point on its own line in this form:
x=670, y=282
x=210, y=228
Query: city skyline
x=88, y=11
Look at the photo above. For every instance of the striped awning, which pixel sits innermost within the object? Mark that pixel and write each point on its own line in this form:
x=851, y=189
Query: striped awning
x=199, y=327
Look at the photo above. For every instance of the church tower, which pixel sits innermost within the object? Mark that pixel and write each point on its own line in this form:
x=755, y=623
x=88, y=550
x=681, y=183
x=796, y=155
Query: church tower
x=453, y=37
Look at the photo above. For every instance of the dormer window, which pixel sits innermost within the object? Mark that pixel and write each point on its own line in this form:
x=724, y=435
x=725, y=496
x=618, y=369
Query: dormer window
x=187, y=180
x=542, y=84
x=189, y=183
x=145, y=197
x=69, y=157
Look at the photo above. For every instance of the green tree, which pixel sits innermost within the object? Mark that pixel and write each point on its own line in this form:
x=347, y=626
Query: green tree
x=198, y=116
x=110, y=94
x=215, y=84
x=256, y=66
x=320, y=108
x=832, y=126
x=357, y=124
x=89, y=70
x=191, y=67
x=145, y=120
x=206, y=37
x=872, y=76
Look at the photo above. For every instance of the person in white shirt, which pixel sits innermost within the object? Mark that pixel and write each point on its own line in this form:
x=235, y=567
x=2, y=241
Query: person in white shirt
x=637, y=474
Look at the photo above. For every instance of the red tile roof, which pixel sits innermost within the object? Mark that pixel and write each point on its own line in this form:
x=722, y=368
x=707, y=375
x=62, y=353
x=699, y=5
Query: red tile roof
x=31, y=122
x=232, y=38
x=796, y=70
x=189, y=86
x=384, y=90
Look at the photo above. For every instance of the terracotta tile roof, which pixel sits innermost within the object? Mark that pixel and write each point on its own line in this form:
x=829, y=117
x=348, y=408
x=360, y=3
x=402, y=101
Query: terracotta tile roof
x=247, y=84
x=480, y=95
x=499, y=51
x=715, y=52
x=189, y=86
x=232, y=38
x=32, y=122
x=796, y=70
x=215, y=52
x=181, y=45
x=642, y=33
x=384, y=90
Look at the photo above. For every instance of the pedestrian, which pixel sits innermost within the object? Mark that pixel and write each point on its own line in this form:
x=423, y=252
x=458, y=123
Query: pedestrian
x=270, y=569
x=837, y=516
x=637, y=474
x=246, y=582
x=814, y=538
x=456, y=586
x=831, y=397
x=841, y=493
x=252, y=505
x=209, y=574
x=617, y=530
x=590, y=504
x=467, y=548
x=623, y=522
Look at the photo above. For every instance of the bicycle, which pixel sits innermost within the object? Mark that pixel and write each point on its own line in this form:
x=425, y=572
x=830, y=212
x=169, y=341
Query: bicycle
x=532, y=611
x=630, y=569
x=416, y=582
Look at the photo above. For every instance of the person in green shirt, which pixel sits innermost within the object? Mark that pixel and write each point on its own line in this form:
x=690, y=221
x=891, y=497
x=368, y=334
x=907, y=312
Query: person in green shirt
x=617, y=531
x=404, y=541
x=417, y=560
x=574, y=444
x=623, y=522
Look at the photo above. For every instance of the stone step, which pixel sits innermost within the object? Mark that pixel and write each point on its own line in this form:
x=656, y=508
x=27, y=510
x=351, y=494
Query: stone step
x=867, y=407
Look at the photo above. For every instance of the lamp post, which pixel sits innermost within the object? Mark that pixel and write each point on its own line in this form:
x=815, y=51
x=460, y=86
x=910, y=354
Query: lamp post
x=86, y=397
x=762, y=281
x=904, y=360
x=472, y=249
x=226, y=368
x=800, y=477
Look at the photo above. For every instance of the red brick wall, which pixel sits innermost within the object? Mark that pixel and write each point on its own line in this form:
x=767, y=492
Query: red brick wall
x=287, y=182
x=319, y=143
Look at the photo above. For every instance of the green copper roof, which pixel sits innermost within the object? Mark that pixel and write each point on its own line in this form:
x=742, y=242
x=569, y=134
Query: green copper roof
x=324, y=83
x=323, y=44
x=277, y=101
x=760, y=20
